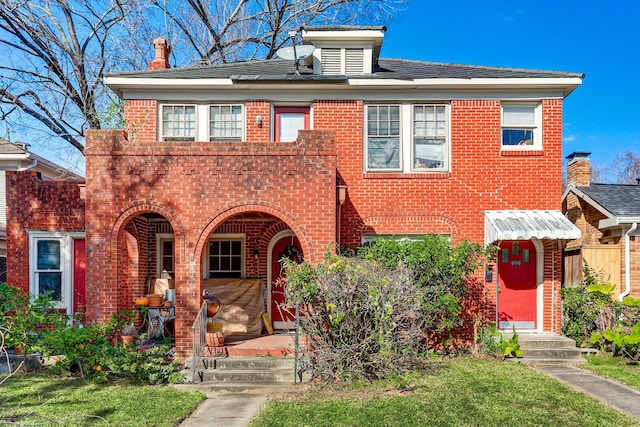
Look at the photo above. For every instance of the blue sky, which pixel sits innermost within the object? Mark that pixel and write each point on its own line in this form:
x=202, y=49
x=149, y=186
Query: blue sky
x=599, y=39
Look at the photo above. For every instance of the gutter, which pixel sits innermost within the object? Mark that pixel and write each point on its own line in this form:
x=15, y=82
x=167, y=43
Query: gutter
x=627, y=262
x=31, y=166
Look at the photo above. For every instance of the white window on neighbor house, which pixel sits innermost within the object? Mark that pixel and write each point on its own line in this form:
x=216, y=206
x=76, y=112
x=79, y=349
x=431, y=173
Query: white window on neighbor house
x=165, y=249
x=226, y=123
x=407, y=138
x=225, y=257
x=521, y=126
x=178, y=122
x=51, y=266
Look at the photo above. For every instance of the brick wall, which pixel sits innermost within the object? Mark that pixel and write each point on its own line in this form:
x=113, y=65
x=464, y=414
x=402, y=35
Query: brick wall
x=34, y=204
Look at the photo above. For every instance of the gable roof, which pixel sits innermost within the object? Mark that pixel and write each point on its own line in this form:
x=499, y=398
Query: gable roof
x=619, y=202
x=16, y=157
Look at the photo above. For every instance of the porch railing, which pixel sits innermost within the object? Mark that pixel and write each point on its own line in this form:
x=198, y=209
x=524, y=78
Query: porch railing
x=199, y=330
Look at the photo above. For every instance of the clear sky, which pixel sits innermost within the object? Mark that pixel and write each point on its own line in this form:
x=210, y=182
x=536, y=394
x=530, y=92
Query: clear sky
x=599, y=39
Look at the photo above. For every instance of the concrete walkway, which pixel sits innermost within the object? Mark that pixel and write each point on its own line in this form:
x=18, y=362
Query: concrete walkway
x=619, y=396
x=237, y=410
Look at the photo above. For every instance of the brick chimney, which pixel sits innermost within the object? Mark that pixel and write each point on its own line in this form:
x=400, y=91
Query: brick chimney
x=161, y=61
x=579, y=169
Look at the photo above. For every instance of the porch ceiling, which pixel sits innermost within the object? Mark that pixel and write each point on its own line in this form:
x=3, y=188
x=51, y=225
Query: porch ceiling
x=527, y=224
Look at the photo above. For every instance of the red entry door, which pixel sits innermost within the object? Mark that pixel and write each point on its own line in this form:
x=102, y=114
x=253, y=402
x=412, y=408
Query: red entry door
x=289, y=247
x=79, y=271
x=517, y=280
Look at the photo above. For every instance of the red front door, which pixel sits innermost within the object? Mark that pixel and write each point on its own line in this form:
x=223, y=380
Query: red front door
x=287, y=246
x=79, y=269
x=517, y=280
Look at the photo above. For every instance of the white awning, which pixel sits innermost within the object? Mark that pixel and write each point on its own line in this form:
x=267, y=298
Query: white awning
x=524, y=225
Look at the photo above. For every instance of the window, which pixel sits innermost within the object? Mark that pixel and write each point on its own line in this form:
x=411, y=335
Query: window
x=429, y=137
x=521, y=126
x=225, y=257
x=288, y=121
x=225, y=123
x=383, y=137
x=166, y=254
x=52, y=269
x=407, y=138
x=178, y=122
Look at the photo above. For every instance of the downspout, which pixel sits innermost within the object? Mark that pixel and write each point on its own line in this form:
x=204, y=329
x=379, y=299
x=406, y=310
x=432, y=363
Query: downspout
x=342, y=197
x=627, y=262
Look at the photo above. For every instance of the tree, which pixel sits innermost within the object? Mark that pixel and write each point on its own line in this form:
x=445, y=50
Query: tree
x=626, y=167
x=55, y=52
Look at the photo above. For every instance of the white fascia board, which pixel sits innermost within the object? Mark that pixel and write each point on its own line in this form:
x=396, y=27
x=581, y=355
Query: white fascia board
x=122, y=84
x=343, y=36
x=618, y=221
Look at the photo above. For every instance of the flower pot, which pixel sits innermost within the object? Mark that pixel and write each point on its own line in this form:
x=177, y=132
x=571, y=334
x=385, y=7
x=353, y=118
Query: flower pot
x=127, y=339
x=215, y=339
x=155, y=300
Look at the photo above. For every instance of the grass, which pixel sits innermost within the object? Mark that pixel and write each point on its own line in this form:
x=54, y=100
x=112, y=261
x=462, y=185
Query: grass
x=615, y=368
x=40, y=399
x=463, y=393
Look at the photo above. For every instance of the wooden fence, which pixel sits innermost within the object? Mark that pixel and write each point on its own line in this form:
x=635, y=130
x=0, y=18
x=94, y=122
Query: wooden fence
x=603, y=259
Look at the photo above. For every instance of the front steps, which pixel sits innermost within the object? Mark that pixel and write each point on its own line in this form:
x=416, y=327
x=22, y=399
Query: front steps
x=548, y=349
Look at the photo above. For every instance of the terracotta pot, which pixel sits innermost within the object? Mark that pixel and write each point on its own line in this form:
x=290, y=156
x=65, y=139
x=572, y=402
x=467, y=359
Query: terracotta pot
x=155, y=300
x=215, y=339
x=127, y=339
x=168, y=303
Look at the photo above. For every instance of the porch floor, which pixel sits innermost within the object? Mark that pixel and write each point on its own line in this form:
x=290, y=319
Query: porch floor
x=278, y=344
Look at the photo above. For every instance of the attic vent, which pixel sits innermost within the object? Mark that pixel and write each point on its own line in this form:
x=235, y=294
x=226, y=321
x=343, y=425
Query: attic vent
x=354, y=61
x=331, y=61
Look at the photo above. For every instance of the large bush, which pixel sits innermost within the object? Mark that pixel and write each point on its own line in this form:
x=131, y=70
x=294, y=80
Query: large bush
x=370, y=316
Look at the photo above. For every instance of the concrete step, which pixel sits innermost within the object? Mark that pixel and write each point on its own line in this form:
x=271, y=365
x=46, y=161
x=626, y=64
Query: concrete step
x=558, y=353
x=246, y=371
x=271, y=376
x=548, y=350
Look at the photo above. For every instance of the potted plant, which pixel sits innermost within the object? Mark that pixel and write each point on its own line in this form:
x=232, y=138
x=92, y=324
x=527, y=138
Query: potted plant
x=128, y=334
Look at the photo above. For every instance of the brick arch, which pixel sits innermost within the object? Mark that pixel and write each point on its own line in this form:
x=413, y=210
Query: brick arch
x=222, y=215
x=408, y=224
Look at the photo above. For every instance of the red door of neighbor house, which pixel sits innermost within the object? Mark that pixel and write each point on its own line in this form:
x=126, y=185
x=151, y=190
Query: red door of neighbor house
x=288, y=121
x=517, y=280
x=79, y=271
x=289, y=247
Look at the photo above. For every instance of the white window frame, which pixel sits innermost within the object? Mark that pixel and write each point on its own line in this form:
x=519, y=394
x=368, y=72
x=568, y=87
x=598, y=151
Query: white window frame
x=182, y=138
x=66, y=264
x=222, y=138
x=202, y=122
x=536, y=127
x=161, y=238
x=406, y=153
x=206, y=271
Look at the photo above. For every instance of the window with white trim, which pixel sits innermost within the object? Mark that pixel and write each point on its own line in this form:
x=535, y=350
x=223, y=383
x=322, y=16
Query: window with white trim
x=226, y=122
x=51, y=266
x=178, y=122
x=165, y=249
x=521, y=126
x=407, y=138
x=225, y=257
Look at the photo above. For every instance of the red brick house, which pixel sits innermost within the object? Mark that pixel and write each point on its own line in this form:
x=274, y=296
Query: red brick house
x=607, y=216
x=225, y=168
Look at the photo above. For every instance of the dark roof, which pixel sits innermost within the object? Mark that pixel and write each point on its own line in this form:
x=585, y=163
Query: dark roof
x=7, y=147
x=279, y=69
x=619, y=199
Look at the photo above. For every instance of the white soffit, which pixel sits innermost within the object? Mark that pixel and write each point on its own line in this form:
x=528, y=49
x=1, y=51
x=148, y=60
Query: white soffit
x=524, y=225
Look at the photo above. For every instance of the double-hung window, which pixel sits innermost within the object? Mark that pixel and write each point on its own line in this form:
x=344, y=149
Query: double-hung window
x=407, y=138
x=225, y=122
x=521, y=126
x=48, y=268
x=166, y=254
x=383, y=138
x=178, y=122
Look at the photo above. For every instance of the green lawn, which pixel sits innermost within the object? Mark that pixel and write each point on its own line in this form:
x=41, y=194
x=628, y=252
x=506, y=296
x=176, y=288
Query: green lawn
x=463, y=393
x=616, y=368
x=38, y=399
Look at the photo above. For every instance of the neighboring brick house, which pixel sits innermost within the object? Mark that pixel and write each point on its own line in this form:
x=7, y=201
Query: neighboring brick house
x=225, y=168
x=15, y=157
x=608, y=216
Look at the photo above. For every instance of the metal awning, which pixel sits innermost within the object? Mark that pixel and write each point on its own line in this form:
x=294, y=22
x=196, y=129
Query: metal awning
x=524, y=225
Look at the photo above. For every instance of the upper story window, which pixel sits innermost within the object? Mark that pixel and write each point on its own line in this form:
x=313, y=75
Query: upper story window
x=225, y=123
x=407, y=138
x=178, y=122
x=202, y=122
x=521, y=126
